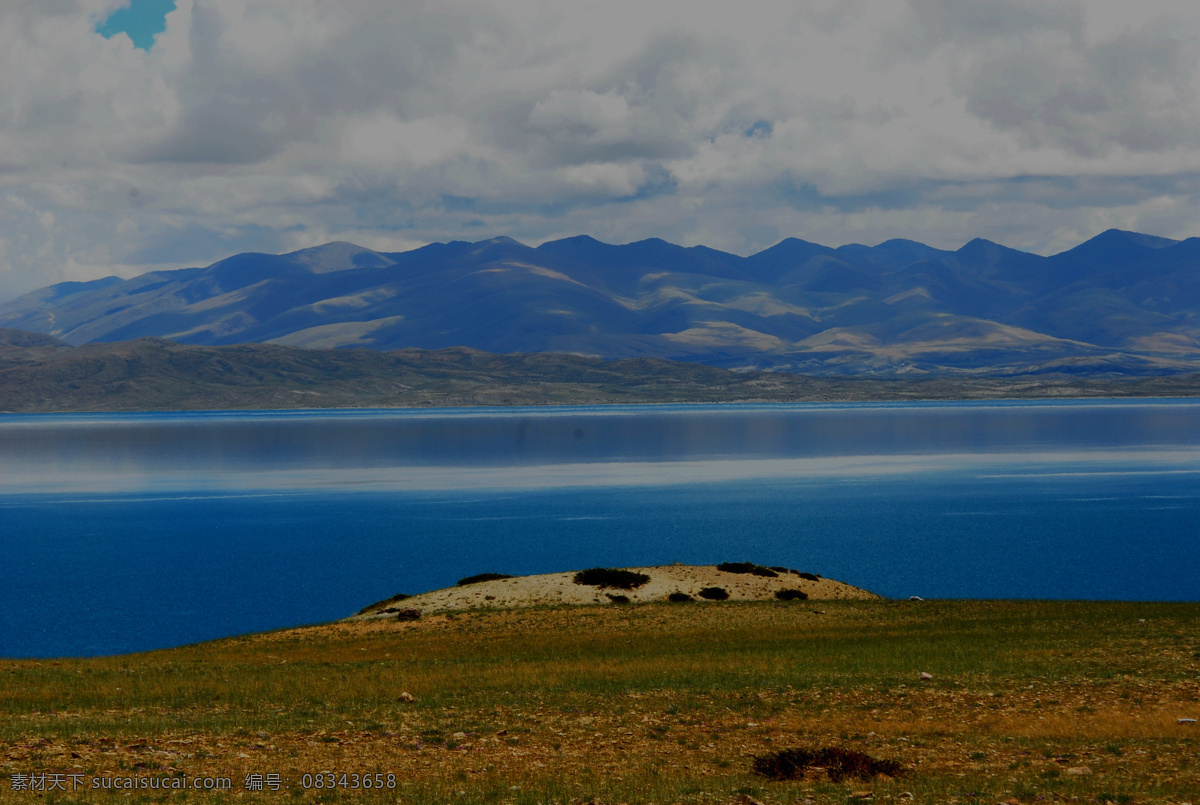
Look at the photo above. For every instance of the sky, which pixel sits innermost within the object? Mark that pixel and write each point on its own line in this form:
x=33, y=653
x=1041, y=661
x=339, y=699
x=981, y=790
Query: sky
x=140, y=20
x=156, y=134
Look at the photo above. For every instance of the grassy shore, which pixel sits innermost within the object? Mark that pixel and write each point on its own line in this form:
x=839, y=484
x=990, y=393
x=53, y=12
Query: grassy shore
x=662, y=703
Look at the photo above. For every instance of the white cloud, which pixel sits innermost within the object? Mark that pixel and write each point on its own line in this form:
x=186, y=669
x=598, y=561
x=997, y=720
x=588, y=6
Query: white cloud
x=382, y=141
x=588, y=117
x=603, y=179
x=278, y=123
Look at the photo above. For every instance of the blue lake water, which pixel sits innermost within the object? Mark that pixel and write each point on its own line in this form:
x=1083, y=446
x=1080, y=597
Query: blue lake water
x=129, y=532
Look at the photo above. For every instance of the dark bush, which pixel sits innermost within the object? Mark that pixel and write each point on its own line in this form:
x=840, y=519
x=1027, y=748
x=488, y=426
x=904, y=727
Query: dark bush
x=779, y=569
x=611, y=577
x=618, y=599
x=383, y=603
x=791, y=595
x=714, y=593
x=809, y=576
x=679, y=598
x=408, y=615
x=746, y=567
x=481, y=577
x=839, y=764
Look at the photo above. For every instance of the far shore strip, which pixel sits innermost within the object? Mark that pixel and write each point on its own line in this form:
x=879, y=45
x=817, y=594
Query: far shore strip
x=560, y=588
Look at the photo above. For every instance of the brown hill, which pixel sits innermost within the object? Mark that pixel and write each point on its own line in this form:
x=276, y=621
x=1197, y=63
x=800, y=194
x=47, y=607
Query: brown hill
x=42, y=374
x=561, y=588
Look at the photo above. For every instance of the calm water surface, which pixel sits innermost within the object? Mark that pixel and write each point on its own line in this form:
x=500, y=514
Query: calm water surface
x=129, y=532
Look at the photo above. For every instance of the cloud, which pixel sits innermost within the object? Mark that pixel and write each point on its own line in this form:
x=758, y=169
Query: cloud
x=273, y=124
x=381, y=141
x=1033, y=70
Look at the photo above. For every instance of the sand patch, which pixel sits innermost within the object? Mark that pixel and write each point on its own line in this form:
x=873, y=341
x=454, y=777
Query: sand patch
x=560, y=588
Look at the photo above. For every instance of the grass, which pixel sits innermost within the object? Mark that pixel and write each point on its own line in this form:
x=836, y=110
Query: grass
x=1036, y=701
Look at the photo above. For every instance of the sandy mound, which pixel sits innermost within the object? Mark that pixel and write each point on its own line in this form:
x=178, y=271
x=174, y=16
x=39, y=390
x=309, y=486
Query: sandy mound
x=560, y=588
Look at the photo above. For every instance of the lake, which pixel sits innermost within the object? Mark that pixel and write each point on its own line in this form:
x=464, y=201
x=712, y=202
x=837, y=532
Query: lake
x=127, y=532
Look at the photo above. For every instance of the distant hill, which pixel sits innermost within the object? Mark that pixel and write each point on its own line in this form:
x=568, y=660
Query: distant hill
x=1120, y=304
x=41, y=374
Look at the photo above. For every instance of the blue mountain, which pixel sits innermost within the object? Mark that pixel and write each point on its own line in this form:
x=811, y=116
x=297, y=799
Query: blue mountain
x=1121, y=302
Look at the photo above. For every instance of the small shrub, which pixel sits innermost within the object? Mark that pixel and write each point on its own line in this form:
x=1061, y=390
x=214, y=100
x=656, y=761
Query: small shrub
x=481, y=577
x=618, y=599
x=839, y=764
x=809, y=576
x=714, y=593
x=746, y=567
x=611, y=577
x=791, y=595
x=679, y=598
x=384, y=603
x=408, y=615
x=779, y=569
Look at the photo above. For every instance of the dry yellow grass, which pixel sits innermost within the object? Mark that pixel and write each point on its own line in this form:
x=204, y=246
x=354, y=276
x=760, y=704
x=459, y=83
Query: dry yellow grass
x=662, y=703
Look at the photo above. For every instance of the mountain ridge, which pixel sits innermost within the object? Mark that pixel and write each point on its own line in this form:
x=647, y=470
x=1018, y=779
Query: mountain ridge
x=1122, y=303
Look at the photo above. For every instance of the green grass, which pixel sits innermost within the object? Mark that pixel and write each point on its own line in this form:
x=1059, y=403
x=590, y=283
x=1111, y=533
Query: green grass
x=647, y=703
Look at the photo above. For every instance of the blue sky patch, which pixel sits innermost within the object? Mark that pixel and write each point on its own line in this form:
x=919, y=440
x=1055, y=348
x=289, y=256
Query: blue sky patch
x=761, y=128
x=141, y=19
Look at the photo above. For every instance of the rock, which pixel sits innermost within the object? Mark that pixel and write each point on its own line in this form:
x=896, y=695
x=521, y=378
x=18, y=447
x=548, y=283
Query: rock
x=1185, y=721
x=408, y=615
x=1079, y=771
x=915, y=598
x=906, y=795
x=406, y=697
x=746, y=799
x=925, y=676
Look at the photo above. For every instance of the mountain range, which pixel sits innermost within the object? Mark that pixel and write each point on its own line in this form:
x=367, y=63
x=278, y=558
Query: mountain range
x=1121, y=303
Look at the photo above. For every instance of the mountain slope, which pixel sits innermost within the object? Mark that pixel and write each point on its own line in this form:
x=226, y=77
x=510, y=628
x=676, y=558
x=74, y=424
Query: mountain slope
x=41, y=374
x=1122, y=302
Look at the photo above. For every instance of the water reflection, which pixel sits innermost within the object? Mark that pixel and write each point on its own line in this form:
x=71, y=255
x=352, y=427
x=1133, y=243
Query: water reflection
x=254, y=446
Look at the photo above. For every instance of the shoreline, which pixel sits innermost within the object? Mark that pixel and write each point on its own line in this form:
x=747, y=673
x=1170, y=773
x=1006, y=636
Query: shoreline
x=685, y=404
